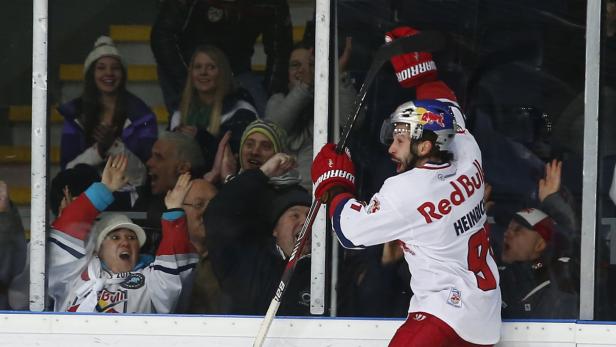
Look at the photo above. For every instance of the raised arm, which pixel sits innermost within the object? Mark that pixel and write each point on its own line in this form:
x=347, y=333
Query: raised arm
x=175, y=257
x=70, y=231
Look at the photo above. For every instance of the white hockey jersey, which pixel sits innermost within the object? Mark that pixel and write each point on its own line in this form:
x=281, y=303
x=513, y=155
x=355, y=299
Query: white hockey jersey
x=151, y=288
x=437, y=213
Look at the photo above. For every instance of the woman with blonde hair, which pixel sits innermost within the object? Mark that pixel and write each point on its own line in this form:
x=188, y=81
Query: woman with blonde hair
x=211, y=103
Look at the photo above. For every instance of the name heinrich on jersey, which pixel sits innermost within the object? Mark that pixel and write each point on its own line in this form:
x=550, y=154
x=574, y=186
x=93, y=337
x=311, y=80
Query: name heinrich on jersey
x=463, y=187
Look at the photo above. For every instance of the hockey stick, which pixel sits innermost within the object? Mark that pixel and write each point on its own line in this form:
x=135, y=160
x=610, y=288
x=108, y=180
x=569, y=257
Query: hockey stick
x=425, y=41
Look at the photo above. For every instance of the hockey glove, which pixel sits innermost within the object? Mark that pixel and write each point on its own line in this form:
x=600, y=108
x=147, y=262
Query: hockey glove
x=412, y=68
x=331, y=170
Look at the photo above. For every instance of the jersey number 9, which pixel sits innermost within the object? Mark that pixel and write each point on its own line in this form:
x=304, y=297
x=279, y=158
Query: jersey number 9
x=478, y=248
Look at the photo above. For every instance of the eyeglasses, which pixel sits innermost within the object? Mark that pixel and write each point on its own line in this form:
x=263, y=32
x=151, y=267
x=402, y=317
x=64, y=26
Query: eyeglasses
x=198, y=205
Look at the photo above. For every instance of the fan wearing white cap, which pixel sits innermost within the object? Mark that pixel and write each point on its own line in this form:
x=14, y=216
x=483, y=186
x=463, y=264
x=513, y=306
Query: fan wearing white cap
x=106, y=119
x=536, y=274
x=118, y=242
x=96, y=266
x=527, y=236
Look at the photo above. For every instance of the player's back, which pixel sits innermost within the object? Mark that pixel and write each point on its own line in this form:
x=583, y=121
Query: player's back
x=454, y=276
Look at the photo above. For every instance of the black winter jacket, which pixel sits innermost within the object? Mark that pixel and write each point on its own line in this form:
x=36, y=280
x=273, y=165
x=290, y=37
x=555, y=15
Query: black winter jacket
x=244, y=253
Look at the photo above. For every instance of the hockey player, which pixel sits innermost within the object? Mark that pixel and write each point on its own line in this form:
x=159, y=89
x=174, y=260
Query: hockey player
x=101, y=270
x=434, y=207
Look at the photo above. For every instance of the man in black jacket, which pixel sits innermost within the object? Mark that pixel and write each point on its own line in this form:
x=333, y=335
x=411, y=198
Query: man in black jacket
x=231, y=25
x=534, y=278
x=252, y=227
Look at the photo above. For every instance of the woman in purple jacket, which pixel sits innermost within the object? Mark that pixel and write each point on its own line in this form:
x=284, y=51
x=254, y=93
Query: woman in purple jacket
x=107, y=119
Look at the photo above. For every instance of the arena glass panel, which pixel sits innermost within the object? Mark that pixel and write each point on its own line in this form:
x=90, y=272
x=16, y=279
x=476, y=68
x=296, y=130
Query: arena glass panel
x=15, y=135
x=138, y=36
x=605, y=273
x=480, y=37
x=517, y=70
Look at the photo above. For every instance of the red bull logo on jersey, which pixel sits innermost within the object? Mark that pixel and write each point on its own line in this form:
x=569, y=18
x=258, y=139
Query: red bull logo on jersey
x=428, y=117
x=112, y=302
x=463, y=187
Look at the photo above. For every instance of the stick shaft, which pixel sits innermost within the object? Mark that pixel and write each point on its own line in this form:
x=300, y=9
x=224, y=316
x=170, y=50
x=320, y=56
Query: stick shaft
x=300, y=243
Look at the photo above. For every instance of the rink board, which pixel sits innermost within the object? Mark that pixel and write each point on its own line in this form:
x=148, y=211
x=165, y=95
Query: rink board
x=67, y=330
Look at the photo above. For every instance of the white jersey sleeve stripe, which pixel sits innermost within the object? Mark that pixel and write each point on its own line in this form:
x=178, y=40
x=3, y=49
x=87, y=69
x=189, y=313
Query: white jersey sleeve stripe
x=344, y=241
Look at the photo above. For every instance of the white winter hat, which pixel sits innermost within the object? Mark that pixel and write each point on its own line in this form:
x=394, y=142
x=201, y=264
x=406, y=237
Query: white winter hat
x=103, y=47
x=114, y=221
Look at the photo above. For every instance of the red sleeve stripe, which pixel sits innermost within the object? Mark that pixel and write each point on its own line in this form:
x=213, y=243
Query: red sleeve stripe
x=342, y=197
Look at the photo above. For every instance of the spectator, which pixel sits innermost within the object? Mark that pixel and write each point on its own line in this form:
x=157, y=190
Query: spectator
x=261, y=140
x=205, y=295
x=107, y=119
x=293, y=109
x=251, y=229
x=12, y=245
x=374, y=282
x=233, y=26
x=531, y=251
x=173, y=154
x=211, y=104
x=98, y=268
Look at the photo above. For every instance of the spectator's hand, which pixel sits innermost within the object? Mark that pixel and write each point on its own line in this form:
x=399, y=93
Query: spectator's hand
x=4, y=197
x=113, y=174
x=278, y=165
x=343, y=60
x=487, y=193
x=175, y=197
x=187, y=130
x=104, y=136
x=66, y=199
x=302, y=74
x=392, y=252
x=406, y=64
x=229, y=163
x=331, y=170
x=551, y=183
x=222, y=167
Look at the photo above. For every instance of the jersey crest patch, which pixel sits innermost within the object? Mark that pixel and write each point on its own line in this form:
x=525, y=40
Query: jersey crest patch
x=134, y=281
x=455, y=298
x=374, y=206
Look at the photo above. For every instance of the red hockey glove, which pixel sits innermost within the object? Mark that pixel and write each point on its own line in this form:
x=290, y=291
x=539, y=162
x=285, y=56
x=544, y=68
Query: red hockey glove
x=331, y=170
x=411, y=68
x=435, y=90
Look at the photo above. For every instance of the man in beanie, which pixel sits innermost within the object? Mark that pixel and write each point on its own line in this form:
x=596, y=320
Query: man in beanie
x=96, y=267
x=531, y=254
x=261, y=140
x=251, y=228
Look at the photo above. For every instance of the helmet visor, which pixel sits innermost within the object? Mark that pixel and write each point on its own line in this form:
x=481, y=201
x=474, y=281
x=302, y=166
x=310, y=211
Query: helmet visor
x=387, y=132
